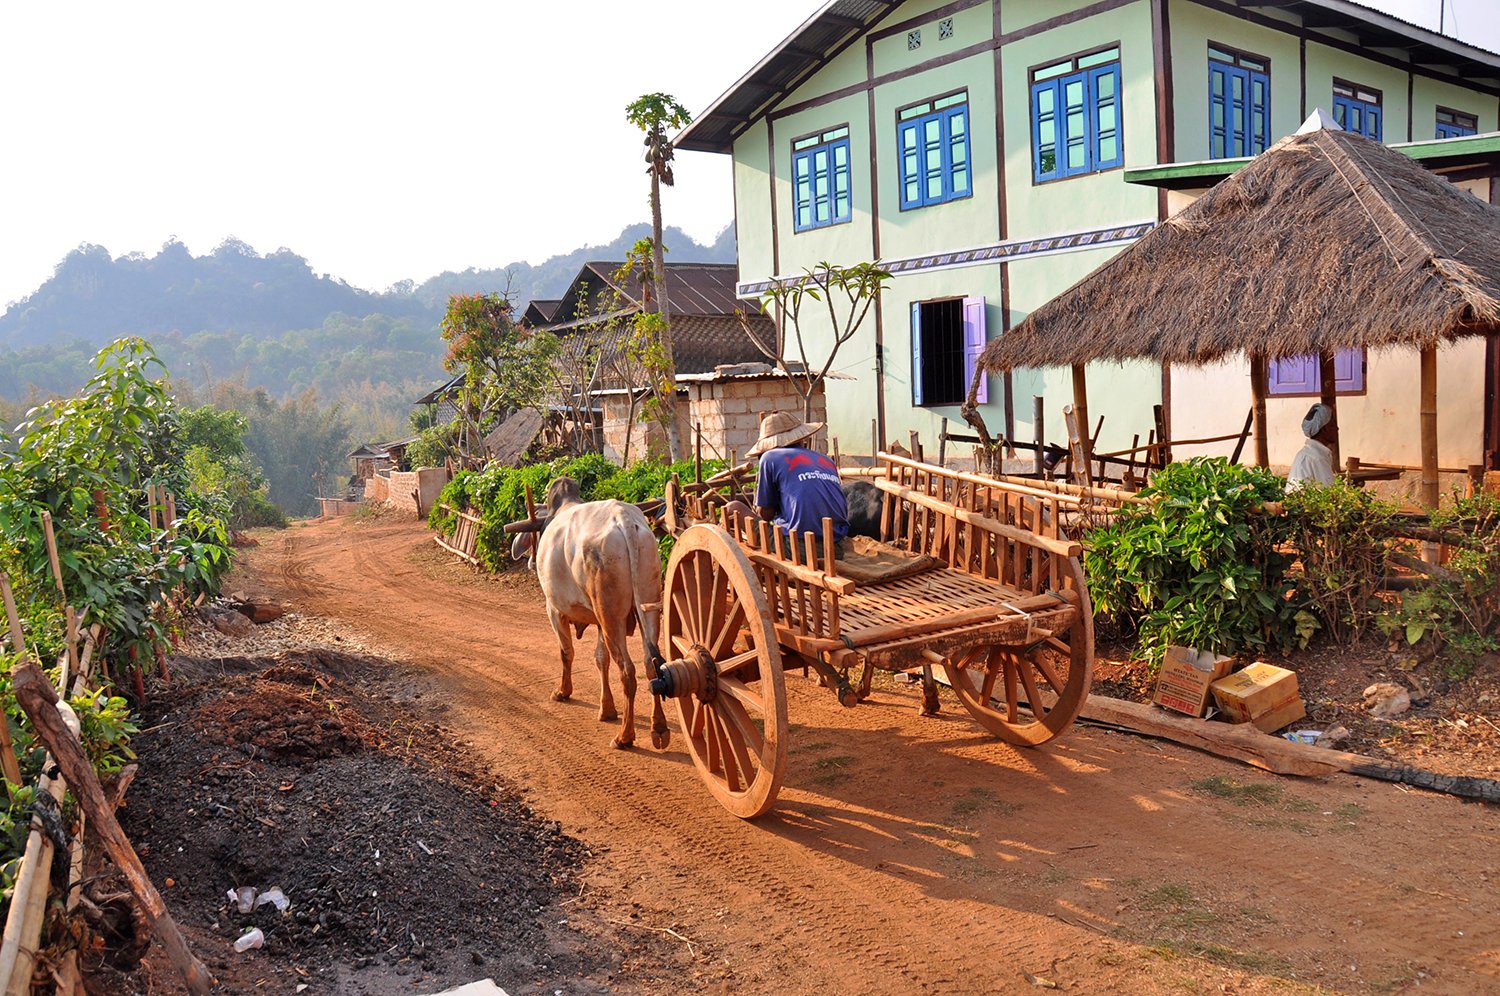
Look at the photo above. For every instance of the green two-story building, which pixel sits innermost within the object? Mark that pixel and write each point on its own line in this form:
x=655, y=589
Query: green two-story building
x=993, y=152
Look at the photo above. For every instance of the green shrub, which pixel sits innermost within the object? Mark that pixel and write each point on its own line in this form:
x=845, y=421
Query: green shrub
x=1340, y=536
x=1201, y=566
x=498, y=494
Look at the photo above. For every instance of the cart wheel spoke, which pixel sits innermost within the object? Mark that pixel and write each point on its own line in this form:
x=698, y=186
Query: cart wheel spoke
x=742, y=726
x=724, y=636
x=1028, y=680
x=737, y=690
x=1049, y=673
x=738, y=661
x=1012, y=695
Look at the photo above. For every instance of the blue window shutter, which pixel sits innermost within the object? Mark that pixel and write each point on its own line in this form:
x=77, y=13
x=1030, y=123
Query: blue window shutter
x=1349, y=371
x=908, y=151
x=974, y=339
x=916, y=354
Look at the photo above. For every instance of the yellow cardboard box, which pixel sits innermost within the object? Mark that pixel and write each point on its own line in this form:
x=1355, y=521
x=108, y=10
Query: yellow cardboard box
x=1182, y=683
x=1262, y=694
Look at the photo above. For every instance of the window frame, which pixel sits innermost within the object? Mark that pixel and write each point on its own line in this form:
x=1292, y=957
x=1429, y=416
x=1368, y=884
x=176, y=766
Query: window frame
x=1457, y=125
x=973, y=329
x=1353, y=98
x=917, y=123
x=1363, y=378
x=1235, y=64
x=830, y=144
x=1057, y=82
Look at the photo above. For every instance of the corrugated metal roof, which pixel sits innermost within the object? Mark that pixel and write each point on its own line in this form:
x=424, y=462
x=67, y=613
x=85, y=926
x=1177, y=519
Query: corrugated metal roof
x=782, y=71
x=692, y=288
x=808, y=48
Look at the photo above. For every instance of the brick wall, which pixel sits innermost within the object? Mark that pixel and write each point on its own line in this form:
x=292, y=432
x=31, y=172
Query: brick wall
x=378, y=488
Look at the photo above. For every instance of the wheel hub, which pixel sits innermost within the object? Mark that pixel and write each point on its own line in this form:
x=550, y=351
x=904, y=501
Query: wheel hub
x=697, y=675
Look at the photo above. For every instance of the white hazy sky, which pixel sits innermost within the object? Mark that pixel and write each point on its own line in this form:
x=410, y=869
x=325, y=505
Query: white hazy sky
x=381, y=140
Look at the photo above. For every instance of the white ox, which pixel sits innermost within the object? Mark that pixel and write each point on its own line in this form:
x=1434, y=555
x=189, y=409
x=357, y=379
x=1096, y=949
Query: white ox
x=598, y=565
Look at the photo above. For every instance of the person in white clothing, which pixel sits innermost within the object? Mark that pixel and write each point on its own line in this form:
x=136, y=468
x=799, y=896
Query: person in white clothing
x=1314, y=462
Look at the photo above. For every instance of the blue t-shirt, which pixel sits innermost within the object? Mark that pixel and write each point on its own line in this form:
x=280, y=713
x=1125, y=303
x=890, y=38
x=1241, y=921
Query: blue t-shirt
x=803, y=488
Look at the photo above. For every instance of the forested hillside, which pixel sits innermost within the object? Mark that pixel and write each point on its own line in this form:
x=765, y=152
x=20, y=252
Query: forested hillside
x=236, y=327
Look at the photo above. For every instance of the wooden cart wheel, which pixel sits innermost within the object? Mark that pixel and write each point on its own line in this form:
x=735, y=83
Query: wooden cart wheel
x=724, y=669
x=992, y=681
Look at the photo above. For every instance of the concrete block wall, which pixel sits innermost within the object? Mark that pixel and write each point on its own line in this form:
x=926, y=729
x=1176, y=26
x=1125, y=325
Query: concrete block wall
x=427, y=482
x=730, y=410
x=378, y=488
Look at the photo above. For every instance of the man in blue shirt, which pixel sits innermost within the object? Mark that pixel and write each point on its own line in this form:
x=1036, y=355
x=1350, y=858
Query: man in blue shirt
x=796, y=486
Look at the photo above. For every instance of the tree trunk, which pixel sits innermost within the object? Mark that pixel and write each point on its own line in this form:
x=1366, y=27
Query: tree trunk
x=663, y=307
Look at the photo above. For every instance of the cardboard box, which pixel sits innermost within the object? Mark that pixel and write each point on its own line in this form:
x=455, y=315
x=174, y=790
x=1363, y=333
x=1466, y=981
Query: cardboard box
x=1261, y=694
x=1183, y=682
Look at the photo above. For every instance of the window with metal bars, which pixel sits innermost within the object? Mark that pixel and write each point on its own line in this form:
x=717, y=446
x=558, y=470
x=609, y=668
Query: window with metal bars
x=947, y=337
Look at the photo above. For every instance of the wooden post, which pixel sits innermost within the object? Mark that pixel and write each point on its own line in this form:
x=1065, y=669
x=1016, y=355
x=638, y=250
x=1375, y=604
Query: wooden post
x=1038, y=434
x=52, y=554
x=8, y=763
x=1476, y=478
x=1081, y=412
x=1429, y=427
x=943, y=445
x=1258, y=405
x=698, y=452
x=39, y=699
x=874, y=438
x=1329, y=395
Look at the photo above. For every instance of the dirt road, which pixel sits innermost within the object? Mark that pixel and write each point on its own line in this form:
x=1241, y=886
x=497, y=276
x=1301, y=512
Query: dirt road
x=916, y=854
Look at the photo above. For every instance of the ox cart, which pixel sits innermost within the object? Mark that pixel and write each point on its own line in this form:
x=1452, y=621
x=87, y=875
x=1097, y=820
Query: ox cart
x=998, y=603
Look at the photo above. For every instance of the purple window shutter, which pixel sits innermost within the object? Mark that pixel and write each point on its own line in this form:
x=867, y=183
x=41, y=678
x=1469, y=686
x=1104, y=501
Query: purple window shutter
x=916, y=354
x=974, y=339
x=1349, y=370
x=1292, y=375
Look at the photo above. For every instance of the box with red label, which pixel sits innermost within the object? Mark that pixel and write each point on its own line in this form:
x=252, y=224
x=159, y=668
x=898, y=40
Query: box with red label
x=1183, y=682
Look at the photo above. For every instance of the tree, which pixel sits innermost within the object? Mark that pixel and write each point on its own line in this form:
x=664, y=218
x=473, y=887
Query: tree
x=851, y=290
x=505, y=366
x=654, y=113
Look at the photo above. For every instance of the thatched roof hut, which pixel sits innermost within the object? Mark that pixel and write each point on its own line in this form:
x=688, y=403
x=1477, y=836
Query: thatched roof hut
x=1326, y=241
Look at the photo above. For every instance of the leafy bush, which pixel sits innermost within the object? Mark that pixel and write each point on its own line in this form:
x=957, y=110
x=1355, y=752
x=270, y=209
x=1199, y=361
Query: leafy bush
x=498, y=493
x=1340, y=535
x=1201, y=566
x=1455, y=611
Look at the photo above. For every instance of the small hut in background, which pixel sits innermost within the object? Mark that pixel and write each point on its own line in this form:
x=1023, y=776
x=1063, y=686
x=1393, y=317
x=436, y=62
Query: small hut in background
x=1326, y=242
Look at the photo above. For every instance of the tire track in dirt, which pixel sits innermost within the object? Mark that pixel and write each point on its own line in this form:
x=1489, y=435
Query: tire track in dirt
x=905, y=854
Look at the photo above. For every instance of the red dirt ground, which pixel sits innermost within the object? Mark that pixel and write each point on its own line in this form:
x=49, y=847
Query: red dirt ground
x=917, y=854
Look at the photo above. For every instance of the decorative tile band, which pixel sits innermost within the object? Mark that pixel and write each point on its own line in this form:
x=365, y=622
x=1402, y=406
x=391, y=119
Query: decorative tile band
x=1099, y=238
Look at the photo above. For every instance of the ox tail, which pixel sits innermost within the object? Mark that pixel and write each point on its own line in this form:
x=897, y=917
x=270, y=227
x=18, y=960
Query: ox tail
x=654, y=659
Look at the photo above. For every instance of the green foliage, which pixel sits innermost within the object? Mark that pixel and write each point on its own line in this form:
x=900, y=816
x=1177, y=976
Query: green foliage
x=498, y=494
x=98, y=451
x=434, y=446
x=1202, y=565
x=1340, y=536
x=656, y=114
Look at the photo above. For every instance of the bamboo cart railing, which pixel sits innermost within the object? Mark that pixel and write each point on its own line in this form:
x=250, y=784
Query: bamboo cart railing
x=465, y=535
x=1003, y=610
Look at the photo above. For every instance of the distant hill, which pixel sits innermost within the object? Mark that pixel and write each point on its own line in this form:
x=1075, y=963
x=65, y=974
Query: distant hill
x=550, y=278
x=93, y=297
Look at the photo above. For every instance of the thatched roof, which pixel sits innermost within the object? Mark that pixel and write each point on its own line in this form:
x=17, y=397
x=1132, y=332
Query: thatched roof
x=1326, y=241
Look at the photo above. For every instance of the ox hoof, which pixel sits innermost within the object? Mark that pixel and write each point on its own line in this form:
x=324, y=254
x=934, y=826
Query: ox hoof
x=561, y=696
x=608, y=716
x=621, y=744
x=661, y=738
